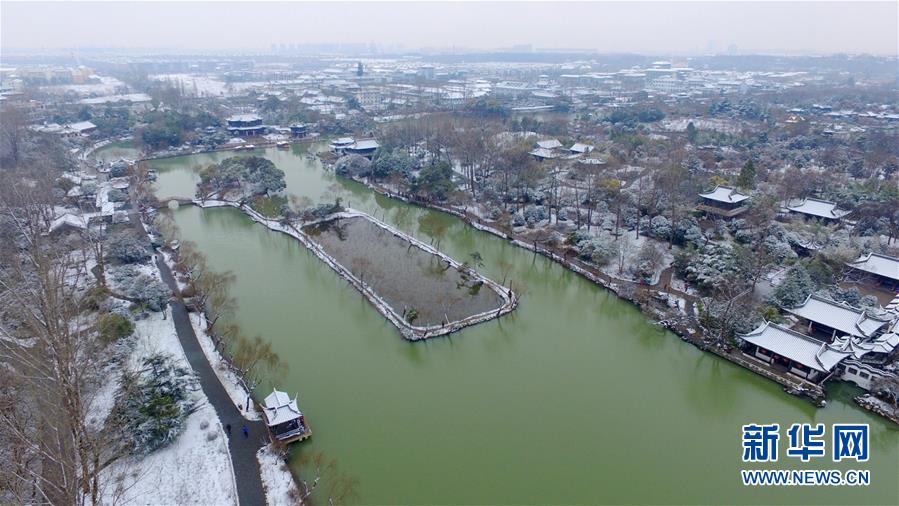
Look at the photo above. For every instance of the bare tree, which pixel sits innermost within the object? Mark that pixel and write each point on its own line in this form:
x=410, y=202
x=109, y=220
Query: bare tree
x=42, y=285
x=322, y=476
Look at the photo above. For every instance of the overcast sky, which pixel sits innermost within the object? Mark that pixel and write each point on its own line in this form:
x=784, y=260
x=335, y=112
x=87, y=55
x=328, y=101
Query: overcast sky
x=643, y=27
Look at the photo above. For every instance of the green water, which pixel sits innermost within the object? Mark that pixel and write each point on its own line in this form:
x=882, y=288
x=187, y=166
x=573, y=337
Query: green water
x=573, y=398
x=115, y=151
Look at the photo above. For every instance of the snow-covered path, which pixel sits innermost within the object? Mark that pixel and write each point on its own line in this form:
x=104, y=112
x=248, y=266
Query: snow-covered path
x=243, y=449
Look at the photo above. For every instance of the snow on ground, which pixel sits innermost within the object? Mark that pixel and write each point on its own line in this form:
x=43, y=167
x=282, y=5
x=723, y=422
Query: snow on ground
x=631, y=247
x=196, y=467
x=202, y=447
x=196, y=85
x=227, y=377
x=681, y=285
x=106, y=86
x=167, y=258
x=276, y=477
x=716, y=124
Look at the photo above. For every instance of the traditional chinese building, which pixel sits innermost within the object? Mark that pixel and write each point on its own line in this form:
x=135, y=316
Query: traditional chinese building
x=879, y=269
x=792, y=352
x=284, y=419
x=298, y=130
x=340, y=144
x=723, y=201
x=818, y=209
x=829, y=319
x=365, y=148
x=848, y=357
x=245, y=125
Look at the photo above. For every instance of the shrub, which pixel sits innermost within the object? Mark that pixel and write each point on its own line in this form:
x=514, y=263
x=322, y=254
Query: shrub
x=660, y=227
x=127, y=248
x=795, y=288
x=152, y=403
x=142, y=287
x=116, y=195
x=352, y=166
x=596, y=251
x=113, y=327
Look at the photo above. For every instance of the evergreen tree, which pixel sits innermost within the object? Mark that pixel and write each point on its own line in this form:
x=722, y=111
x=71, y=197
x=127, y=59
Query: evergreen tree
x=691, y=132
x=746, y=180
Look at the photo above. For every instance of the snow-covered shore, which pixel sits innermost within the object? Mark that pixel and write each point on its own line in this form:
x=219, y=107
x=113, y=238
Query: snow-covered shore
x=201, y=447
x=227, y=377
x=280, y=487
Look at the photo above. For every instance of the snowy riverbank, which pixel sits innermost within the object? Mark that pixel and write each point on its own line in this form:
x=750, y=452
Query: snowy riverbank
x=280, y=487
x=239, y=395
x=202, y=447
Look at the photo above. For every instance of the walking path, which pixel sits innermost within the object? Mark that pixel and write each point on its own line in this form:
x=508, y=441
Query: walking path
x=243, y=449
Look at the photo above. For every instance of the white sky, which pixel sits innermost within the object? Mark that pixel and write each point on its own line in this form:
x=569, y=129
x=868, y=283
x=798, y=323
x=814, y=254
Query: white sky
x=643, y=27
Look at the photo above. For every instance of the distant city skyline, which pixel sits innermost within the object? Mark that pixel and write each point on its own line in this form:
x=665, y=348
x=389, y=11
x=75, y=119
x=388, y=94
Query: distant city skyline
x=607, y=27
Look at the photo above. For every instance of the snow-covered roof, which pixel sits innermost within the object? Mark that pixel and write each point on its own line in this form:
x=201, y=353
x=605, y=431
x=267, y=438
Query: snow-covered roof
x=366, y=144
x=797, y=347
x=343, y=141
x=549, y=144
x=819, y=208
x=875, y=263
x=245, y=118
x=70, y=220
x=280, y=408
x=578, y=147
x=544, y=153
x=81, y=126
x=841, y=317
x=884, y=343
x=726, y=194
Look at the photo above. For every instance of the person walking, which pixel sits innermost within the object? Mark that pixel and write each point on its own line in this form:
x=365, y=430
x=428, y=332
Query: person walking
x=246, y=431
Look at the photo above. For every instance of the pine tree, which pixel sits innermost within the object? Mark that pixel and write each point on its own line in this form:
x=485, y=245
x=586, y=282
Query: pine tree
x=746, y=180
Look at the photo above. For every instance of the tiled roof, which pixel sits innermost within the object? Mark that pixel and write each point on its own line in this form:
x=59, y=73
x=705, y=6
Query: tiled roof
x=876, y=263
x=838, y=316
x=280, y=408
x=797, y=347
x=725, y=194
x=819, y=208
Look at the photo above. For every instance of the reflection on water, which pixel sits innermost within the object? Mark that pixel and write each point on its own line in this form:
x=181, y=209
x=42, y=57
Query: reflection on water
x=572, y=398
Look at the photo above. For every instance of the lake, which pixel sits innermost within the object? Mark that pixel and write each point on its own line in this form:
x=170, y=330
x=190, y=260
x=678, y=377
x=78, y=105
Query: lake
x=575, y=397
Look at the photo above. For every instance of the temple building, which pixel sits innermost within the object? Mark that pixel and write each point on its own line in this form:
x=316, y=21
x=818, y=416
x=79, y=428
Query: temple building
x=723, y=201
